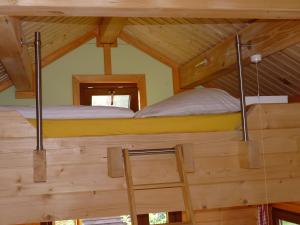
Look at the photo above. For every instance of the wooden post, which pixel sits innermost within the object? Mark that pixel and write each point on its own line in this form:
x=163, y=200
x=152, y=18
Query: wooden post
x=107, y=59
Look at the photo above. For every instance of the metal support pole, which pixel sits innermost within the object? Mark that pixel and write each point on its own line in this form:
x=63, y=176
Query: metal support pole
x=242, y=94
x=38, y=97
x=151, y=151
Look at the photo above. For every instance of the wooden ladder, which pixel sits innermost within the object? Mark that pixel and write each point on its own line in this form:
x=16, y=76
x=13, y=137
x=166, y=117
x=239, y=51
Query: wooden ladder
x=183, y=183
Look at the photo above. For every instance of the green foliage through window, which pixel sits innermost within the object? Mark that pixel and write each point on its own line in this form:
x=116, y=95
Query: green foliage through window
x=282, y=222
x=158, y=218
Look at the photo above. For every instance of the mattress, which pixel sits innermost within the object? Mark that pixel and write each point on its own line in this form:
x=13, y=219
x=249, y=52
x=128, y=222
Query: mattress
x=56, y=128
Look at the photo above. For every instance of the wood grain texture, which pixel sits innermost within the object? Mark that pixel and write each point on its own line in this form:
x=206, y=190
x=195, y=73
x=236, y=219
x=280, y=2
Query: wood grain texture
x=4, y=84
x=39, y=166
x=227, y=216
x=267, y=38
x=109, y=30
x=46, y=60
x=107, y=59
x=78, y=184
x=13, y=56
x=147, y=49
x=269, y=9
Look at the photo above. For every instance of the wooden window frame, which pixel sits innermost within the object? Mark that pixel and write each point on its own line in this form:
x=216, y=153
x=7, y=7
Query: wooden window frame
x=285, y=211
x=139, y=79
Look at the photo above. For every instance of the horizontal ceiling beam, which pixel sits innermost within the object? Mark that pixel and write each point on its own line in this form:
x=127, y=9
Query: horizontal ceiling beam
x=266, y=38
x=267, y=9
x=109, y=30
x=13, y=56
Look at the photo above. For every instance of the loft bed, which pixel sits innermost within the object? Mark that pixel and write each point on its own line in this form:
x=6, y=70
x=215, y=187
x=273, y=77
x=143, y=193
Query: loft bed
x=78, y=184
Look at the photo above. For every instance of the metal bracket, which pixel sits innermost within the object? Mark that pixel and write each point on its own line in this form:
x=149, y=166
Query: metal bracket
x=26, y=43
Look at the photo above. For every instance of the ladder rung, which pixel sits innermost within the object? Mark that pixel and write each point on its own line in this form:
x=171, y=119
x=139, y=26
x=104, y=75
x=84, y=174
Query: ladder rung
x=176, y=223
x=157, y=186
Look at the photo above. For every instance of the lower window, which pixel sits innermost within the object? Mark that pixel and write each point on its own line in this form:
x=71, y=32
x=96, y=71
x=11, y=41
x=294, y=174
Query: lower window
x=281, y=217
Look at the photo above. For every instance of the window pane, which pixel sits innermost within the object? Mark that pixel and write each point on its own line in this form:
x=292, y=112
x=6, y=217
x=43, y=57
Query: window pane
x=65, y=222
x=106, y=100
x=158, y=218
x=283, y=222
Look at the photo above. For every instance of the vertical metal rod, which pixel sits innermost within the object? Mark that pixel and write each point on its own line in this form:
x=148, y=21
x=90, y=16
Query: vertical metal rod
x=242, y=94
x=38, y=96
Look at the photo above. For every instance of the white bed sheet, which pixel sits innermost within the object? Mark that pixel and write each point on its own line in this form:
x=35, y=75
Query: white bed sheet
x=72, y=112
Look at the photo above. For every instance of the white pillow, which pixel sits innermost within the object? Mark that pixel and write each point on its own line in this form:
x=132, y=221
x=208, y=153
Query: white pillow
x=72, y=112
x=193, y=102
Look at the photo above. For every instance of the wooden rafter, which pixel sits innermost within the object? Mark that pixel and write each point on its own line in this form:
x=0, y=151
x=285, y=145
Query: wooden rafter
x=109, y=30
x=56, y=55
x=68, y=47
x=147, y=49
x=266, y=38
x=268, y=9
x=13, y=56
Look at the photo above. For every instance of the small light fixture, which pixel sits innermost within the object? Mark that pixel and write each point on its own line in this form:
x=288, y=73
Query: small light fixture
x=256, y=58
x=204, y=62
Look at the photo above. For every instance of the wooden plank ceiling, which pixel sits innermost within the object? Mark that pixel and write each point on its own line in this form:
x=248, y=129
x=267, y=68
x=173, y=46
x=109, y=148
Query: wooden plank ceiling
x=56, y=32
x=278, y=74
x=180, y=40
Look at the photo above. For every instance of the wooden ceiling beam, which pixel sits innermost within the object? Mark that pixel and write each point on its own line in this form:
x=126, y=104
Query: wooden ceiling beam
x=109, y=30
x=266, y=38
x=13, y=56
x=56, y=55
x=267, y=9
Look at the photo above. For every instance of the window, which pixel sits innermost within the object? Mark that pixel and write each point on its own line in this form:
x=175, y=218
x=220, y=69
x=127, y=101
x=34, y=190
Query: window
x=66, y=222
x=110, y=94
x=127, y=91
x=282, y=217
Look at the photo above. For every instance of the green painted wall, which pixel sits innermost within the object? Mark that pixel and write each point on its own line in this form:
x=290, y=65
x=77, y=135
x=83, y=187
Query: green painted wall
x=88, y=59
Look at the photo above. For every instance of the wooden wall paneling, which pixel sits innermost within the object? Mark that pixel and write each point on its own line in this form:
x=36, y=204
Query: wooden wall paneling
x=78, y=184
x=56, y=32
x=147, y=49
x=13, y=56
x=181, y=39
x=227, y=216
x=268, y=9
x=266, y=37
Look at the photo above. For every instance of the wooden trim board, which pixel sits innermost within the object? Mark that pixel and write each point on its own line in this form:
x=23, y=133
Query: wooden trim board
x=139, y=79
x=267, y=9
x=5, y=84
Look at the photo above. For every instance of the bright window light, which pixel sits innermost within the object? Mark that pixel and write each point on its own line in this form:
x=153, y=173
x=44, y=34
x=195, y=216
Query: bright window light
x=109, y=100
x=65, y=222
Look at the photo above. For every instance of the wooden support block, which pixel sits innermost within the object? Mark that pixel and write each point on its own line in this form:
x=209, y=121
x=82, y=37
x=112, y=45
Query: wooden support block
x=39, y=166
x=188, y=160
x=249, y=155
x=115, y=165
